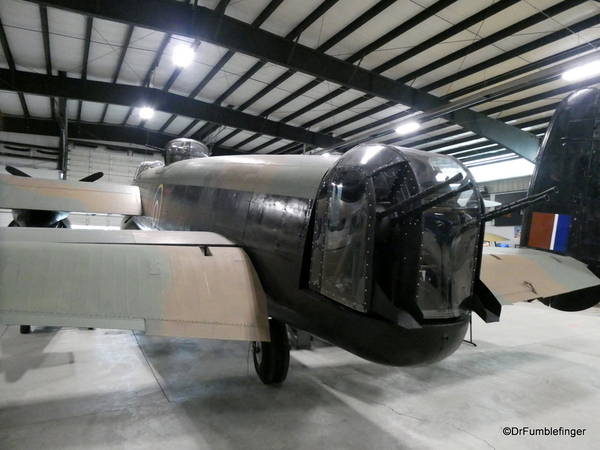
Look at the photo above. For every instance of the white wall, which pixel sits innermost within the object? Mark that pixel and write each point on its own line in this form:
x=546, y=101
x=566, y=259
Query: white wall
x=509, y=233
x=505, y=186
x=118, y=167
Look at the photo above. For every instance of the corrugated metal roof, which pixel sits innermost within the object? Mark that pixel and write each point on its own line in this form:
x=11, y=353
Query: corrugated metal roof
x=283, y=76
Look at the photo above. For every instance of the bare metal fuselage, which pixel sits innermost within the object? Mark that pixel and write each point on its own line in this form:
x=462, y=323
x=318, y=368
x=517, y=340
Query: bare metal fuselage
x=394, y=290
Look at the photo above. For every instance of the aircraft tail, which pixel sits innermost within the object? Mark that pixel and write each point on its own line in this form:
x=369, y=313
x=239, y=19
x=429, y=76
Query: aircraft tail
x=569, y=223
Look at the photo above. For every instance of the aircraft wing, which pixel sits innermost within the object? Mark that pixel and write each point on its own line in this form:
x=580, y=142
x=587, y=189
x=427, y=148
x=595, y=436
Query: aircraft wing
x=69, y=196
x=519, y=274
x=187, y=284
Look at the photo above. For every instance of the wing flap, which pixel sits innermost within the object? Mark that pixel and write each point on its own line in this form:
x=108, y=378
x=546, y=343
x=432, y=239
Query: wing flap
x=69, y=196
x=515, y=275
x=185, y=290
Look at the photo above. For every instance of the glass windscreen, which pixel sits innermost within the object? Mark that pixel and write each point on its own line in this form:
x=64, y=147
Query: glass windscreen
x=342, y=255
x=449, y=236
x=388, y=221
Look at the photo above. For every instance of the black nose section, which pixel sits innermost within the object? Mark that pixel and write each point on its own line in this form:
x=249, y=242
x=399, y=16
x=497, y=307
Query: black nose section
x=396, y=234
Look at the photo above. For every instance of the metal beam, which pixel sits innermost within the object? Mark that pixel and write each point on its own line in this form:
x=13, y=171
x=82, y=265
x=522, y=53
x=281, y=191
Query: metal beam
x=311, y=18
x=63, y=125
x=554, y=93
x=86, y=48
x=101, y=92
x=264, y=15
x=393, y=34
x=148, y=77
x=536, y=78
x=539, y=64
x=520, y=84
x=480, y=44
x=411, y=23
x=548, y=61
x=11, y=64
x=470, y=142
x=124, y=48
x=481, y=16
x=46, y=39
x=97, y=132
x=221, y=7
x=178, y=70
x=47, y=54
x=294, y=34
x=206, y=25
x=374, y=11
x=432, y=143
x=328, y=44
x=273, y=5
x=516, y=28
x=86, y=55
x=397, y=60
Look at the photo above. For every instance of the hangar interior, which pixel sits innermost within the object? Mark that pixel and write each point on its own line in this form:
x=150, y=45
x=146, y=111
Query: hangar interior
x=482, y=79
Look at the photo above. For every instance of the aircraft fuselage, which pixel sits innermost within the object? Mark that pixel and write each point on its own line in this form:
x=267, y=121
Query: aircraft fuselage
x=395, y=290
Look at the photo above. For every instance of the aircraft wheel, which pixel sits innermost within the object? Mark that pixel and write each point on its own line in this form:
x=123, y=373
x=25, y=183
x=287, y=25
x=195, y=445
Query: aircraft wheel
x=25, y=329
x=272, y=359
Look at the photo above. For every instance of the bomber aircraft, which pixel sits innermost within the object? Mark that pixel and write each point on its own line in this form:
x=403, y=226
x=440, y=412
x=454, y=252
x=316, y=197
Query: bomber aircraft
x=378, y=251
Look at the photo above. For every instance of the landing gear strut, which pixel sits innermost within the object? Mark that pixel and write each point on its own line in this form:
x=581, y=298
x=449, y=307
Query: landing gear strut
x=272, y=359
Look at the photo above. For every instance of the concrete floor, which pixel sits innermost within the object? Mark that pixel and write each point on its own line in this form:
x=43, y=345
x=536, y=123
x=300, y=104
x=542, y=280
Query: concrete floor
x=107, y=389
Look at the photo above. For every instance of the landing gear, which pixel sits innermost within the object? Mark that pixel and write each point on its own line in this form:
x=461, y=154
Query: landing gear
x=300, y=339
x=272, y=359
x=25, y=329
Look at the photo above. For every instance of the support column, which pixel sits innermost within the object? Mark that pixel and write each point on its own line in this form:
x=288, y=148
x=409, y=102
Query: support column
x=61, y=115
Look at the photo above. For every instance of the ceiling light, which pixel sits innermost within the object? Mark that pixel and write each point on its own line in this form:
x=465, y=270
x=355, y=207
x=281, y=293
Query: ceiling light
x=146, y=113
x=183, y=56
x=408, y=127
x=585, y=71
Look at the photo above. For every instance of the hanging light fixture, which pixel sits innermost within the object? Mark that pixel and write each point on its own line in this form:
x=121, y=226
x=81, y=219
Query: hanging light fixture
x=183, y=56
x=146, y=113
x=408, y=127
x=581, y=72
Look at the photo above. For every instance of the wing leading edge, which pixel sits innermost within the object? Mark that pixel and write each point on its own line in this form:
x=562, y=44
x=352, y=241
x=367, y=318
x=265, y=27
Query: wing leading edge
x=188, y=284
x=69, y=196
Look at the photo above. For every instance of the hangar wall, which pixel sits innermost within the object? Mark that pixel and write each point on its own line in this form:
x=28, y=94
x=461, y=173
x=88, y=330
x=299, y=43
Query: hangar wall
x=118, y=167
x=519, y=184
x=508, y=185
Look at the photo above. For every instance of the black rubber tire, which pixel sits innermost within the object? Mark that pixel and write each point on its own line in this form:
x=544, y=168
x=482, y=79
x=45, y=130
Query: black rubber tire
x=272, y=359
x=25, y=329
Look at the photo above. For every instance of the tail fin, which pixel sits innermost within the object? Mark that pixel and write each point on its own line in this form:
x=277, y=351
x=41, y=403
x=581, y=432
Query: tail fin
x=569, y=159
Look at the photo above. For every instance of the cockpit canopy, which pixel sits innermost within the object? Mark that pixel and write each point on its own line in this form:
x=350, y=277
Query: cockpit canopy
x=396, y=227
x=184, y=148
x=145, y=165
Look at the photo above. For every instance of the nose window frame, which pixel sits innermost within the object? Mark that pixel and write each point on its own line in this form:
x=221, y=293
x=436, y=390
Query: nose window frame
x=342, y=253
